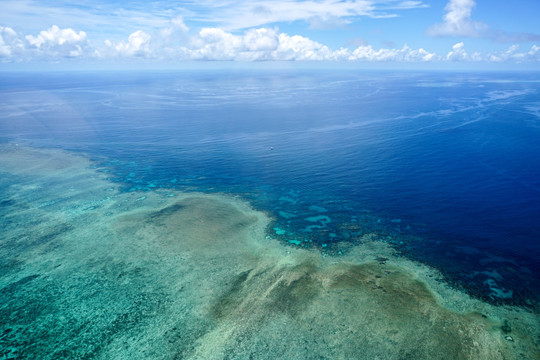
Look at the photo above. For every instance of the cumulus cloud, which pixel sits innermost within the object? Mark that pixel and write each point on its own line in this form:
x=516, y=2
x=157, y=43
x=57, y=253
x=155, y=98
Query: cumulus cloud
x=269, y=44
x=406, y=54
x=516, y=55
x=48, y=44
x=458, y=52
x=253, y=45
x=262, y=39
x=58, y=42
x=215, y=44
x=512, y=54
x=297, y=47
x=457, y=21
x=10, y=43
x=138, y=44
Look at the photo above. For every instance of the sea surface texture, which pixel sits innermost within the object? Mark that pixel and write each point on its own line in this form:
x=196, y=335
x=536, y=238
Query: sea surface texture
x=265, y=214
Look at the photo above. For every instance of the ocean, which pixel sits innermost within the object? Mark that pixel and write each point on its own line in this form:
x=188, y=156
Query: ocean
x=441, y=167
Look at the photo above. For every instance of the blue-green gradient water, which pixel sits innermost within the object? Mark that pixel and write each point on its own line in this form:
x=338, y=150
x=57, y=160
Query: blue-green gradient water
x=444, y=166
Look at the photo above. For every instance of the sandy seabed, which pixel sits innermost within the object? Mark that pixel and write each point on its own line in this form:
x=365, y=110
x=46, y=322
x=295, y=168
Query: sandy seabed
x=87, y=271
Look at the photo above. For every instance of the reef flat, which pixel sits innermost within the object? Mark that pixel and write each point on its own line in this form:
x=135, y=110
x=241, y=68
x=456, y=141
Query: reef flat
x=88, y=271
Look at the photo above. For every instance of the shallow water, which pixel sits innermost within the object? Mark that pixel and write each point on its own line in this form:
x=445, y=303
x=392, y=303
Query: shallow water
x=351, y=173
x=93, y=272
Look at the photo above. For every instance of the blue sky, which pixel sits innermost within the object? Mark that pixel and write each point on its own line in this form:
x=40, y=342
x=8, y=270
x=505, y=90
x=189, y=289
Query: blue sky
x=397, y=32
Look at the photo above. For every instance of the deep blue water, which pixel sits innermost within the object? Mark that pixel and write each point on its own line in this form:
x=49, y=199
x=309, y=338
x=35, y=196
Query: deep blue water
x=445, y=166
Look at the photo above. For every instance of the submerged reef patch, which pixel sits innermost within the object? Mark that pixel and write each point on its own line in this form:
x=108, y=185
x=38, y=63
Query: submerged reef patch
x=98, y=273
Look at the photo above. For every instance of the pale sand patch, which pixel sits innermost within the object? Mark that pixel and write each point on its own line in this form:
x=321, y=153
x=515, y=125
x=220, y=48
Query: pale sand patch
x=90, y=271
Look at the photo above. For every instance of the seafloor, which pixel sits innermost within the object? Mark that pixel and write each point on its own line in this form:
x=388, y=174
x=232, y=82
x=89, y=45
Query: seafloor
x=87, y=271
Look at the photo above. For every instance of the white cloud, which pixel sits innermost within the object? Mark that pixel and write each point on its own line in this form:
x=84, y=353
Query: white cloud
x=457, y=21
x=55, y=42
x=262, y=39
x=178, y=24
x=512, y=54
x=458, y=53
x=10, y=43
x=297, y=47
x=177, y=28
x=215, y=44
x=138, y=44
x=534, y=52
x=406, y=54
x=253, y=45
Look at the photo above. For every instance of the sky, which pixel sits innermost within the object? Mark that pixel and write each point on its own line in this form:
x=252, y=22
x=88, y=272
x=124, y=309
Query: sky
x=398, y=33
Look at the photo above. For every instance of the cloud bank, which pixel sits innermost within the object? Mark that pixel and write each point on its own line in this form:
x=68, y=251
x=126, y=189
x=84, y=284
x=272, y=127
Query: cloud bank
x=176, y=43
x=173, y=43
